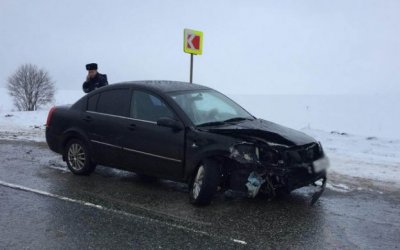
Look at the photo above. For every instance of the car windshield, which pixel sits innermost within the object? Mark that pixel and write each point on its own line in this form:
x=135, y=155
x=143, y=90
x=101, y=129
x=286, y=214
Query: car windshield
x=208, y=107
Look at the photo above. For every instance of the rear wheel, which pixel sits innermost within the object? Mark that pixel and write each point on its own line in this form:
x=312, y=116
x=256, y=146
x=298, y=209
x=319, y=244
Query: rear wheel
x=205, y=183
x=78, y=158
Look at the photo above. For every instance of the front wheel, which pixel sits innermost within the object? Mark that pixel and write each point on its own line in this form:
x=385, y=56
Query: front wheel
x=205, y=183
x=78, y=158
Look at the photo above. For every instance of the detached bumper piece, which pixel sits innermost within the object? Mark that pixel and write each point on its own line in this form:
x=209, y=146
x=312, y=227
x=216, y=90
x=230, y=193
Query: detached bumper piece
x=249, y=183
x=254, y=183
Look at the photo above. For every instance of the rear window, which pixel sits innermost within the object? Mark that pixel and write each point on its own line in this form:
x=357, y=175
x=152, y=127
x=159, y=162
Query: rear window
x=113, y=102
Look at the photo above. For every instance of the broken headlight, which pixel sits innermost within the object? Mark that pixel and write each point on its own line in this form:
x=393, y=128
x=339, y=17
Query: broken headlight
x=250, y=153
x=244, y=152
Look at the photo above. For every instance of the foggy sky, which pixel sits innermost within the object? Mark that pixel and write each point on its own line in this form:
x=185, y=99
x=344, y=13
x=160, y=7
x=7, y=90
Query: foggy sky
x=253, y=47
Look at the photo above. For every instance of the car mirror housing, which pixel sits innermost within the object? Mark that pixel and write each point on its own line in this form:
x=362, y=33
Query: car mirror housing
x=169, y=122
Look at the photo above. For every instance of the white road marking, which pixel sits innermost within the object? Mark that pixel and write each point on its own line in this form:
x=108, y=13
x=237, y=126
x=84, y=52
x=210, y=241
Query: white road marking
x=89, y=204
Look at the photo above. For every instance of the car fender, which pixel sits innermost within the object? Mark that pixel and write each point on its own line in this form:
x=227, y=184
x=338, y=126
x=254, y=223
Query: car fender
x=77, y=133
x=192, y=164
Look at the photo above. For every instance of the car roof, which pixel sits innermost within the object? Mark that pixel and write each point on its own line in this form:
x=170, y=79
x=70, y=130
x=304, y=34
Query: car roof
x=163, y=86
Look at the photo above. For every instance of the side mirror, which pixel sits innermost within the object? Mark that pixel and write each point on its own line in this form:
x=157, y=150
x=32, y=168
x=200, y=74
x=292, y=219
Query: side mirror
x=170, y=123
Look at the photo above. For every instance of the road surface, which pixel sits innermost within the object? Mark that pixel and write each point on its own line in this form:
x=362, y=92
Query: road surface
x=44, y=206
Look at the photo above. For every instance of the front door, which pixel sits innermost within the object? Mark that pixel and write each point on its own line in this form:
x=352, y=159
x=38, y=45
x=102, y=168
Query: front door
x=148, y=147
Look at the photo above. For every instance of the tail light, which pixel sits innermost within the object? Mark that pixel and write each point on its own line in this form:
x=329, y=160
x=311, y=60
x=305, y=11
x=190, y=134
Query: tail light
x=49, y=116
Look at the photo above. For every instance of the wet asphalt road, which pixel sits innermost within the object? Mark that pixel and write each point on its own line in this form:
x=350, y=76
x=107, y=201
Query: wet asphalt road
x=44, y=206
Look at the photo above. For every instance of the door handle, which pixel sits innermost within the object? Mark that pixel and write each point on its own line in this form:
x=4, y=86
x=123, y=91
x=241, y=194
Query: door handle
x=88, y=118
x=132, y=126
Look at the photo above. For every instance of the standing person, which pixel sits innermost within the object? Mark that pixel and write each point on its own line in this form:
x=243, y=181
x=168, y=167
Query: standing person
x=94, y=79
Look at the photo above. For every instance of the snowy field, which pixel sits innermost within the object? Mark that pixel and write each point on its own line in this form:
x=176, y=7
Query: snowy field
x=362, y=142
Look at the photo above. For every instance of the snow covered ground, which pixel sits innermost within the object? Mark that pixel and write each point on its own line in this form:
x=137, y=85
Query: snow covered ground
x=29, y=125
x=361, y=160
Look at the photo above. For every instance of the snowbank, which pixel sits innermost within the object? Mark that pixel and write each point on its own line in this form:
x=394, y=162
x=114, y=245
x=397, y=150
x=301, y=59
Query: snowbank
x=29, y=125
x=25, y=125
x=371, y=158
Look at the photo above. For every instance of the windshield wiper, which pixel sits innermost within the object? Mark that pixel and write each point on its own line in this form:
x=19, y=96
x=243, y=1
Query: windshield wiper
x=237, y=119
x=211, y=124
x=218, y=123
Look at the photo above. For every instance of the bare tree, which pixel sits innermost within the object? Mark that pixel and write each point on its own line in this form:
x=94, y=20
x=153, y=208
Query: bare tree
x=30, y=87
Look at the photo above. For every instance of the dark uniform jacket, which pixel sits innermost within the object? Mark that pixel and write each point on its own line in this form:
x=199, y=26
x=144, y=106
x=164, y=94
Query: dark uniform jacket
x=98, y=81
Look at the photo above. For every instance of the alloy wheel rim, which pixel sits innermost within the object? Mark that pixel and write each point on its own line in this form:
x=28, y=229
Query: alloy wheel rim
x=198, y=182
x=76, y=156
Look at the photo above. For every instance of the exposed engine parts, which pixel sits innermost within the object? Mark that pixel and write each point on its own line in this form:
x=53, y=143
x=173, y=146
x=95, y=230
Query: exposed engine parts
x=263, y=169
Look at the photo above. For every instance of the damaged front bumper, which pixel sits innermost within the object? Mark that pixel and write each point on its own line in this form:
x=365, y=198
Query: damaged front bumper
x=253, y=174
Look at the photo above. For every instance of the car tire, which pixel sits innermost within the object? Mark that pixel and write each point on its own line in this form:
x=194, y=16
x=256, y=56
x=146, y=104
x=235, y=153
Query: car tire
x=205, y=183
x=78, y=158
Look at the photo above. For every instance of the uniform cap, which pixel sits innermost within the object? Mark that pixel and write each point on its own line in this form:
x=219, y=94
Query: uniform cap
x=91, y=66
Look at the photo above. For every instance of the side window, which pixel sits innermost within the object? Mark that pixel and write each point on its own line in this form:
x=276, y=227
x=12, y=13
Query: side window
x=92, y=102
x=114, y=102
x=148, y=107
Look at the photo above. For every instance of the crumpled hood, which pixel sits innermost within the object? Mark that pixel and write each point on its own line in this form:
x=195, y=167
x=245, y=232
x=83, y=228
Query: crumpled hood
x=265, y=130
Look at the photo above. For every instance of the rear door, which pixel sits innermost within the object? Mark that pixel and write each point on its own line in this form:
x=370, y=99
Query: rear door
x=107, y=114
x=153, y=149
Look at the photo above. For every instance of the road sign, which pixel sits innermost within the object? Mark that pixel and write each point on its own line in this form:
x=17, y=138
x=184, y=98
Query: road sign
x=193, y=42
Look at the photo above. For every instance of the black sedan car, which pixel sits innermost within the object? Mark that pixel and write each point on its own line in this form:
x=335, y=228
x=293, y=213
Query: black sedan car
x=184, y=132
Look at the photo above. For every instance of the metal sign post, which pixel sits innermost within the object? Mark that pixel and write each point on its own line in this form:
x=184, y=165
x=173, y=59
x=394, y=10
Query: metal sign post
x=191, y=68
x=192, y=44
